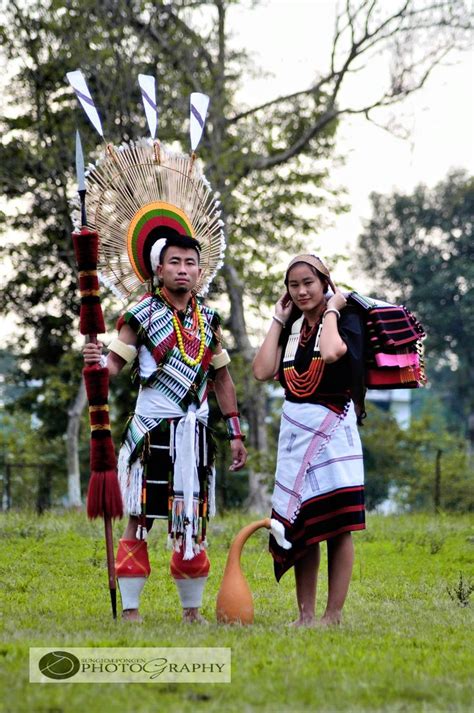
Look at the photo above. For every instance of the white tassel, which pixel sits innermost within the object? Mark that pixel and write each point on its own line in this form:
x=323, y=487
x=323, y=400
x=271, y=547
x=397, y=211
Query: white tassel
x=133, y=488
x=204, y=447
x=172, y=441
x=278, y=532
x=141, y=533
x=212, y=492
x=188, y=538
x=204, y=544
x=130, y=479
x=196, y=445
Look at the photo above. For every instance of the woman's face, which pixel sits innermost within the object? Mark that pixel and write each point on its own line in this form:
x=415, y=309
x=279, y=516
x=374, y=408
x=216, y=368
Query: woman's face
x=305, y=288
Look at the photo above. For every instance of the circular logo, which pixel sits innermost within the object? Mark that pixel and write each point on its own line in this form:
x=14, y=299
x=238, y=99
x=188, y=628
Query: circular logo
x=59, y=665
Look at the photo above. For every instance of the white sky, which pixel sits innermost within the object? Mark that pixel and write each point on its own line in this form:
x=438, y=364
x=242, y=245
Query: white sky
x=292, y=39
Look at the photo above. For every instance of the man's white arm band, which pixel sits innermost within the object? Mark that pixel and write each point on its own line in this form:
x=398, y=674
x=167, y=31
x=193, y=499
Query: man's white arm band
x=220, y=360
x=126, y=351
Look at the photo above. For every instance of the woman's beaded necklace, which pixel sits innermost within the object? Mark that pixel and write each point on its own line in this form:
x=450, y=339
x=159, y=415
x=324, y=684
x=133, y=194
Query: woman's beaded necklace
x=305, y=384
x=182, y=333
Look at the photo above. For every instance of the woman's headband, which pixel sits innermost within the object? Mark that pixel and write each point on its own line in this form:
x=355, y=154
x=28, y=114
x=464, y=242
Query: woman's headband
x=315, y=262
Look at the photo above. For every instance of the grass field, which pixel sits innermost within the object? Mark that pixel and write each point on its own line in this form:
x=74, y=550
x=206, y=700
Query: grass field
x=405, y=644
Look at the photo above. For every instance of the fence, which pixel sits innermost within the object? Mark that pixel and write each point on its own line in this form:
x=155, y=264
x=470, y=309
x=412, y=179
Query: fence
x=25, y=485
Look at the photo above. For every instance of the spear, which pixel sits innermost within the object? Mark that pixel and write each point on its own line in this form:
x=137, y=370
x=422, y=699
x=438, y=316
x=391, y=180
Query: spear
x=103, y=496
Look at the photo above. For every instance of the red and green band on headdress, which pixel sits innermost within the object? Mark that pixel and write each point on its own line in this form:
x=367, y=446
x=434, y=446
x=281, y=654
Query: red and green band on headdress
x=139, y=240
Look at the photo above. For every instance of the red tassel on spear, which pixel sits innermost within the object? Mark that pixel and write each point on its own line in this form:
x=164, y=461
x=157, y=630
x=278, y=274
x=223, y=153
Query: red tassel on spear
x=103, y=497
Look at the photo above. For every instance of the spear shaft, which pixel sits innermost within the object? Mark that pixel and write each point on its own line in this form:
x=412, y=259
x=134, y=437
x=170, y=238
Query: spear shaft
x=103, y=494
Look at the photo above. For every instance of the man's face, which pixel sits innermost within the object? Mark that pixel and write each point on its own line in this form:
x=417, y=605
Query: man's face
x=180, y=269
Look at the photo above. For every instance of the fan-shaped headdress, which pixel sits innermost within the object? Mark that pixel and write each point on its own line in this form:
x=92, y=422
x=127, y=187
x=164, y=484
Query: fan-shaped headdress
x=143, y=185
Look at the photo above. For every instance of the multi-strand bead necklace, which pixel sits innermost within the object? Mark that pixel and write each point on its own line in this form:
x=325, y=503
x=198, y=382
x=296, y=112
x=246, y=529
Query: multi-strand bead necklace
x=305, y=384
x=184, y=334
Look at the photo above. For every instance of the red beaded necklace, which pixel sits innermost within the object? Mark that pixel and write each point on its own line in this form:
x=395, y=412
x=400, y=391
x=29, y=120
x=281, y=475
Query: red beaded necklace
x=307, y=332
x=305, y=384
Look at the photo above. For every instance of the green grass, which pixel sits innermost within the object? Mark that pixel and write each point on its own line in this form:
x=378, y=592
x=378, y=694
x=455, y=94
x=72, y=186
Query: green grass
x=405, y=645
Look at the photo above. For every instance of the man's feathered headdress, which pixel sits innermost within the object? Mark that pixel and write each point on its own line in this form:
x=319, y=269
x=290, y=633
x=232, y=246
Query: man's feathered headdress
x=142, y=185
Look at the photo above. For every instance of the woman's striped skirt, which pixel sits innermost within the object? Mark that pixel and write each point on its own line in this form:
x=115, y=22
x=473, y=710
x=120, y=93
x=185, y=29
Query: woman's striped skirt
x=319, y=481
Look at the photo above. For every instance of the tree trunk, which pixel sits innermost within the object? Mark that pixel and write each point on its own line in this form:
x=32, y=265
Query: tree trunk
x=470, y=436
x=254, y=406
x=43, y=498
x=437, y=486
x=258, y=499
x=72, y=446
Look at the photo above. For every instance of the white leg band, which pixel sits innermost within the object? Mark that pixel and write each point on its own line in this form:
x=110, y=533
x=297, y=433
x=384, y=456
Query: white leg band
x=130, y=590
x=190, y=591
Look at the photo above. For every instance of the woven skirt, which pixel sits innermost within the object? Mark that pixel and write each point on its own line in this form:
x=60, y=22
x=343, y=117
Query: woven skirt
x=319, y=485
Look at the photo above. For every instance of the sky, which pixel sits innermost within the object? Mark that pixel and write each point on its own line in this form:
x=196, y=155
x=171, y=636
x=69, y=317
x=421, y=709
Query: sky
x=292, y=39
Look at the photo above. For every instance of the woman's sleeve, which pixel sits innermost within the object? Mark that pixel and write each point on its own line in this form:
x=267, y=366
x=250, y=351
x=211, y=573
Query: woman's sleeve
x=352, y=332
x=351, y=329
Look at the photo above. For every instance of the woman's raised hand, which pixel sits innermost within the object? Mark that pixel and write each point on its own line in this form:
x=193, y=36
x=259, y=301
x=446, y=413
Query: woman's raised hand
x=336, y=301
x=283, y=307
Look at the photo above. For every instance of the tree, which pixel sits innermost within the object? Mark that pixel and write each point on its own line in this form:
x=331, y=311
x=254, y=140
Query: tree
x=267, y=161
x=383, y=455
x=434, y=473
x=426, y=465
x=30, y=475
x=420, y=249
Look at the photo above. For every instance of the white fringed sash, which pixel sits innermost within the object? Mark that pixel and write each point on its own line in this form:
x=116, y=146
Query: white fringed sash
x=184, y=437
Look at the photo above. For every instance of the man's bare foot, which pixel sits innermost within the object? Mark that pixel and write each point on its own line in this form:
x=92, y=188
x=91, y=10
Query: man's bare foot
x=192, y=615
x=131, y=615
x=303, y=621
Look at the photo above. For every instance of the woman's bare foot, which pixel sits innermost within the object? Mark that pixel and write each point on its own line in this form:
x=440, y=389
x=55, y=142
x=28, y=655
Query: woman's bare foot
x=131, y=615
x=330, y=619
x=192, y=615
x=303, y=621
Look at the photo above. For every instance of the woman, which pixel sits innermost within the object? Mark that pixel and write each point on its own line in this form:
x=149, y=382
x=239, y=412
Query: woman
x=314, y=347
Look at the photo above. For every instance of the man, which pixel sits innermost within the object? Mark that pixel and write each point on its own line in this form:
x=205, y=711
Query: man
x=165, y=463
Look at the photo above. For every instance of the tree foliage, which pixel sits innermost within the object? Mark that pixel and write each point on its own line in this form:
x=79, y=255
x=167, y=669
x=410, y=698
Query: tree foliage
x=436, y=472
x=31, y=475
x=419, y=248
x=426, y=465
x=380, y=437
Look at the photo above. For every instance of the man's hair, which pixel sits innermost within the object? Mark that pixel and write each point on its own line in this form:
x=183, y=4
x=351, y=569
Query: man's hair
x=173, y=239
x=181, y=241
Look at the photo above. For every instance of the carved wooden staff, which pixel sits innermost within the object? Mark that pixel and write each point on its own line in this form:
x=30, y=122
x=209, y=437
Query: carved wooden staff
x=103, y=496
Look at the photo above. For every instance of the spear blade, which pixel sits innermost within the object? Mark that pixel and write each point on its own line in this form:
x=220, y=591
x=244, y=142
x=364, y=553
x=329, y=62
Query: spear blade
x=81, y=178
